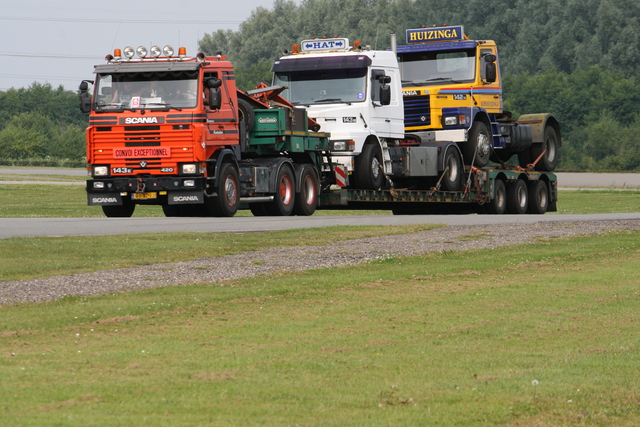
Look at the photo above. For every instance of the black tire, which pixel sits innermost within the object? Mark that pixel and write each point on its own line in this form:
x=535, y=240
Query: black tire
x=226, y=203
x=194, y=210
x=284, y=199
x=517, y=197
x=368, y=172
x=307, y=199
x=479, y=137
x=452, y=179
x=538, y=197
x=247, y=115
x=185, y=210
x=258, y=209
x=498, y=204
x=549, y=160
x=550, y=146
x=171, y=210
x=125, y=210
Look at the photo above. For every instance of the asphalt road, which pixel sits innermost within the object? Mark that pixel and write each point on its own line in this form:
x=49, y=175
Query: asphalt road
x=31, y=227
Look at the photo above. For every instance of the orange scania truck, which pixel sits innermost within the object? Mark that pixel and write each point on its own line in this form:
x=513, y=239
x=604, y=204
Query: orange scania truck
x=172, y=130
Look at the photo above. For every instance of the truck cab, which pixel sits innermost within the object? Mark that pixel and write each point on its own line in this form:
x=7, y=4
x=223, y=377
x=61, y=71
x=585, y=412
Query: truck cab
x=452, y=90
x=354, y=94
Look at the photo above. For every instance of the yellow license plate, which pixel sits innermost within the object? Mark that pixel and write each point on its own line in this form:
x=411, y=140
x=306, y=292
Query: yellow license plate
x=140, y=196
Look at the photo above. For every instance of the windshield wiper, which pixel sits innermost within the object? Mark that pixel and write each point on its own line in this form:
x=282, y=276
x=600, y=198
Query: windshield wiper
x=167, y=106
x=329, y=100
x=111, y=108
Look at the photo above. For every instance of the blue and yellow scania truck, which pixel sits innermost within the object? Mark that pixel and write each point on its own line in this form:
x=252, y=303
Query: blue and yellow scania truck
x=452, y=90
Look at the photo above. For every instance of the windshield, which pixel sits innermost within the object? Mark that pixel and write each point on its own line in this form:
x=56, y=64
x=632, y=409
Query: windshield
x=323, y=86
x=435, y=67
x=164, y=90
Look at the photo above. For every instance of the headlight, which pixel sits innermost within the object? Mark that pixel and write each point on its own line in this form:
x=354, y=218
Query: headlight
x=454, y=120
x=451, y=121
x=189, y=169
x=100, y=170
x=342, y=145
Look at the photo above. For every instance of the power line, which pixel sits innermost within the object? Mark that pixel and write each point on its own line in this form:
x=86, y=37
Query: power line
x=121, y=21
x=48, y=55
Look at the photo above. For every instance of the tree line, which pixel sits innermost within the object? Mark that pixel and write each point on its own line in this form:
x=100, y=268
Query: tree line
x=577, y=59
x=41, y=125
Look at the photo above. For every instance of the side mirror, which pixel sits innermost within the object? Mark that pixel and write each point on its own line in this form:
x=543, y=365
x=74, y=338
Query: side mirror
x=214, y=83
x=215, y=100
x=491, y=74
x=385, y=95
x=85, y=97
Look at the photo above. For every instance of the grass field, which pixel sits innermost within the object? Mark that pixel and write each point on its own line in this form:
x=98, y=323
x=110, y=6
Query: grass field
x=453, y=339
x=535, y=334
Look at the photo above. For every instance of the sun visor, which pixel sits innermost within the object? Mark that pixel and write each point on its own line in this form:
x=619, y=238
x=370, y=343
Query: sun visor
x=321, y=63
x=145, y=67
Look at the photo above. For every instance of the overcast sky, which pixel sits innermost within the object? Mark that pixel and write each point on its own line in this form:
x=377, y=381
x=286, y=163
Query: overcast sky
x=59, y=41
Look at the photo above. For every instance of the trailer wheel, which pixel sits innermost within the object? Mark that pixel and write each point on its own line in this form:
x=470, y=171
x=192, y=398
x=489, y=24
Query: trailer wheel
x=452, y=178
x=480, y=138
x=307, y=199
x=368, y=168
x=538, y=197
x=517, y=197
x=125, y=210
x=284, y=200
x=227, y=201
x=498, y=204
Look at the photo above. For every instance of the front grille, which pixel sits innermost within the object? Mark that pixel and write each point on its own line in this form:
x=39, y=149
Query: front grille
x=417, y=111
x=141, y=128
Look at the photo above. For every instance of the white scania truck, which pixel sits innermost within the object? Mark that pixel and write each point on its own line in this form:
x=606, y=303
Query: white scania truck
x=355, y=95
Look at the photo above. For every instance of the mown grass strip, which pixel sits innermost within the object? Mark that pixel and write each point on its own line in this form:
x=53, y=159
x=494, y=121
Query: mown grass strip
x=25, y=258
x=452, y=339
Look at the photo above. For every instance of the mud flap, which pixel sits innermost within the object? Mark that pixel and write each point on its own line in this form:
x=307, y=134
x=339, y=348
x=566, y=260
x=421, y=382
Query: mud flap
x=94, y=199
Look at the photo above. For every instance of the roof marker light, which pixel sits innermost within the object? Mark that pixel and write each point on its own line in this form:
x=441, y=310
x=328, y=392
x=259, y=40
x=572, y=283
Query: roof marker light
x=182, y=52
